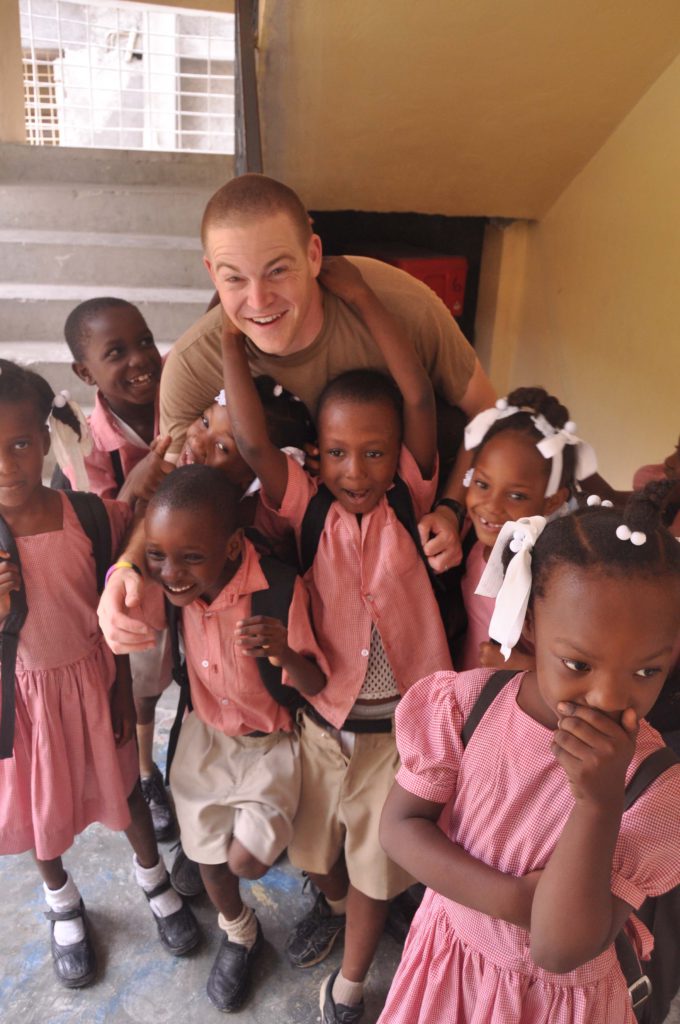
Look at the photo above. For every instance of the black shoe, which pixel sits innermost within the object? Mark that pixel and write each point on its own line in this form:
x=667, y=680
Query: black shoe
x=228, y=980
x=337, y=1013
x=178, y=932
x=313, y=937
x=185, y=875
x=155, y=795
x=75, y=965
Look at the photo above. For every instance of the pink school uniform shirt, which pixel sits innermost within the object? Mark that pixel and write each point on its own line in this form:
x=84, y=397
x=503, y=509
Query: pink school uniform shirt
x=363, y=574
x=227, y=691
x=478, y=609
x=108, y=436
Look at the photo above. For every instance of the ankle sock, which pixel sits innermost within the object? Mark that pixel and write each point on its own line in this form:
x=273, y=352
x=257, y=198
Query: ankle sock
x=66, y=933
x=337, y=907
x=169, y=902
x=243, y=929
x=347, y=993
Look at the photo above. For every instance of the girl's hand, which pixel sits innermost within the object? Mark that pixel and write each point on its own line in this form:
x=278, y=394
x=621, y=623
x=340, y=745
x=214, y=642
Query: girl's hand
x=263, y=637
x=595, y=751
x=490, y=655
x=343, y=279
x=123, y=714
x=143, y=481
x=119, y=611
x=312, y=462
x=230, y=331
x=10, y=579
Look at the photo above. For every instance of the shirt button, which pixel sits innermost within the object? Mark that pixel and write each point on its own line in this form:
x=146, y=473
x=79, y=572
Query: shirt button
x=208, y=615
x=364, y=653
x=205, y=664
x=369, y=597
x=225, y=700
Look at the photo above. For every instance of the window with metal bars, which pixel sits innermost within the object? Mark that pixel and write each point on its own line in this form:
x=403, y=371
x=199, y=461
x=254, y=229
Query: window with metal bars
x=128, y=75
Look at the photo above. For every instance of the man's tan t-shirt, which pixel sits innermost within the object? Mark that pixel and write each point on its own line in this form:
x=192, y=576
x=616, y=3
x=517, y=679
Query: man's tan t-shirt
x=192, y=374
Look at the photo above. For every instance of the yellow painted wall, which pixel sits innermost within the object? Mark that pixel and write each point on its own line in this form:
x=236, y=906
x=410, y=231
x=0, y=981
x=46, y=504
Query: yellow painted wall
x=598, y=317
x=460, y=107
x=12, y=127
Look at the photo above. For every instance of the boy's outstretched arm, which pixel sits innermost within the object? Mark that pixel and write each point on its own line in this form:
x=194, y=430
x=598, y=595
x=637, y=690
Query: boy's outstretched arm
x=341, y=277
x=248, y=420
x=411, y=837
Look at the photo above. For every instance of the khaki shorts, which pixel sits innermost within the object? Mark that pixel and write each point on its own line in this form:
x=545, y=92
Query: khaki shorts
x=246, y=787
x=152, y=670
x=341, y=802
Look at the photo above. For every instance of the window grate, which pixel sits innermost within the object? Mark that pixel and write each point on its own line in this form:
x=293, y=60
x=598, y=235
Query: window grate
x=128, y=76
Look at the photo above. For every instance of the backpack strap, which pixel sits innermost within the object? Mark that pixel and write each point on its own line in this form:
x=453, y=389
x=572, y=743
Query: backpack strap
x=312, y=526
x=275, y=602
x=173, y=617
x=93, y=517
x=9, y=644
x=117, y=467
x=648, y=772
x=487, y=696
x=400, y=501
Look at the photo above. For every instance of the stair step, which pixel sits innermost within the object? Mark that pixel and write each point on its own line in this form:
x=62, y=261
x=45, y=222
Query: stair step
x=139, y=210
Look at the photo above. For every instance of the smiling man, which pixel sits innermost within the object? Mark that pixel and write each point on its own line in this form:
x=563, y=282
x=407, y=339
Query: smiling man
x=264, y=260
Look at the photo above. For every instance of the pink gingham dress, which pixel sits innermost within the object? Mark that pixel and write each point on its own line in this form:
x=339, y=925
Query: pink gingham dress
x=506, y=803
x=66, y=771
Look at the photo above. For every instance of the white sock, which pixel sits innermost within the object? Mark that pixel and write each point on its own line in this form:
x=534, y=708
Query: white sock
x=243, y=929
x=66, y=933
x=169, y=902
x=347, y=993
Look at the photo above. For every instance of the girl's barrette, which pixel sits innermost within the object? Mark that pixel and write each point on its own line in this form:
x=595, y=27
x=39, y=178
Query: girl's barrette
x=220, y=399
x=636, y=537
x=61, y=399
x=594, y=500
x=467, y=479
x=551, y=446
x=511, y=588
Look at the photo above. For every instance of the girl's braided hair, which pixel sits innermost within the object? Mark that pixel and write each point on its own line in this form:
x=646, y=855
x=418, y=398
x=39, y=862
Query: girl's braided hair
x=536, y=402
x=587, y=538
x=17, y=384
x=288, y=420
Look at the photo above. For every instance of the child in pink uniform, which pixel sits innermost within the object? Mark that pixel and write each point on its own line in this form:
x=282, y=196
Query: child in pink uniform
x=236, y=772
x=73, y=759
x=114, y=351
x=526, y=462
x=533, y=865
x=375, y=617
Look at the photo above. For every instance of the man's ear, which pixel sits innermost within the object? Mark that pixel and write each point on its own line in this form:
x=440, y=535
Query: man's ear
x=81, y=371
x=235, y=545
x=555, y=500
x=315, y=254
x=209, y=267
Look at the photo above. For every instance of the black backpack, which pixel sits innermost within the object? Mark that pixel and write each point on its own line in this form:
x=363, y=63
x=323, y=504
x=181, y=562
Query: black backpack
x=652, y=985
x=274, y=602
x=60, y=482
x=94, y=520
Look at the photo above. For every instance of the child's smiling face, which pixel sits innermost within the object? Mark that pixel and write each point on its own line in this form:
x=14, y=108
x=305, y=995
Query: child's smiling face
x=210, y=442
x=509, y=479
x=191, y=555
x=604, y=642
x=120, y=357
x=359, y=446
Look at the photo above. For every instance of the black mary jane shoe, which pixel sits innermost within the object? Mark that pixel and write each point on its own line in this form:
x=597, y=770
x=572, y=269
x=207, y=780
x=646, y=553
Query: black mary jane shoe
x=228, y=980
x=75, y=965
x=179, y=932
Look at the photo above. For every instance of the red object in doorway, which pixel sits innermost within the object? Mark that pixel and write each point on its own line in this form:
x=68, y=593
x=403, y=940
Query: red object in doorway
x=445, y=275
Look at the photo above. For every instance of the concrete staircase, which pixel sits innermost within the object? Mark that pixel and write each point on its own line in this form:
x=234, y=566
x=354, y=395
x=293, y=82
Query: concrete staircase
x=78, y=223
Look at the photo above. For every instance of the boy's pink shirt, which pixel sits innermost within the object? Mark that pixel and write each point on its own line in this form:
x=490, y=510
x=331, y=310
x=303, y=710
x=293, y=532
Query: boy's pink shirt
x=106, y=438
x=227, y=691
x=365, y=574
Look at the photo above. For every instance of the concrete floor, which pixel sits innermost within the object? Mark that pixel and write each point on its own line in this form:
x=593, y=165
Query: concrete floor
x=138, y=983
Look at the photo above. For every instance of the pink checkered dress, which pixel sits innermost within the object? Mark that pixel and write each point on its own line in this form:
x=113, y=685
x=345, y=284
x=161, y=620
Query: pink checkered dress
x=66, y=771
x=506, y=803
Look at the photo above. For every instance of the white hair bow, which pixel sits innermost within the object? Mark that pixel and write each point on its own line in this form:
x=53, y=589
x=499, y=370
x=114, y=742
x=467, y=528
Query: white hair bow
x=511, y=588
x=69, y=450
x=550, y=447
